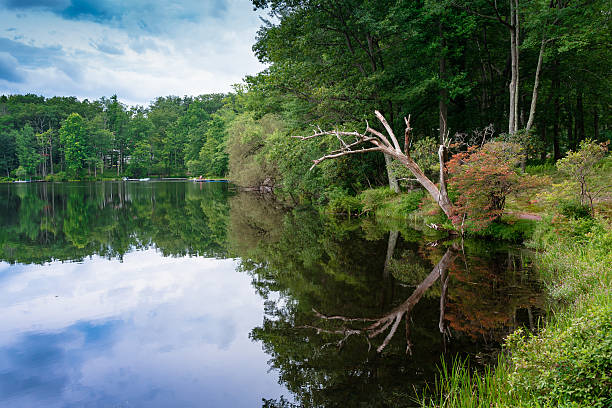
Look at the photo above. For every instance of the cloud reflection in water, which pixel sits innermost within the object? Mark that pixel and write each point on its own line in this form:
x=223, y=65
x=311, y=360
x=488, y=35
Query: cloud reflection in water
x=148, y=331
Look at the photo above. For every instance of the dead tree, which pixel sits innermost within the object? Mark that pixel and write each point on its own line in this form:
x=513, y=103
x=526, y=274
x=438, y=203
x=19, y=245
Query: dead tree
x=393, y=318
x=355, y=142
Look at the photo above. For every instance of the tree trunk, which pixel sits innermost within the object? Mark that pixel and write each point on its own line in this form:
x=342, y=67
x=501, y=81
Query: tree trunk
x=595, y=123
x=580, y=133
x=536, y=84
x=443, y=94
x=390, y=249
x=556, y=147
x=556, y=90
x=517, y=33
x=570, y=128
x=51, y=153
x=512, y=119
x=440, y=196
x=393, y=184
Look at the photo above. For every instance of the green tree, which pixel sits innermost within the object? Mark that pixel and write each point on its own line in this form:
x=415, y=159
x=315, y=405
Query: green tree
x=8, y=152
x=27, y=151
x=73, y=136
x=99, y=142
x=581, y=167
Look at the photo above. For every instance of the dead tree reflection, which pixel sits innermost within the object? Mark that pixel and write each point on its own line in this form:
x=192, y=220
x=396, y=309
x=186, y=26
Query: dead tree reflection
x=392, y=320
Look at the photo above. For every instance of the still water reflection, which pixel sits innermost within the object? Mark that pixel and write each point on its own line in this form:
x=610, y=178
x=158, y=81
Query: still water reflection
x=187, y=295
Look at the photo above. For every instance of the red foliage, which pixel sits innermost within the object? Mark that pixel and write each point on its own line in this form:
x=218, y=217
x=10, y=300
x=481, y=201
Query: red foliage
x=483, y=177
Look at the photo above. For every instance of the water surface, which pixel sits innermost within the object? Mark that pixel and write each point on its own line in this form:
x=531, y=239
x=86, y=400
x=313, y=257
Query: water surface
x=129, y=294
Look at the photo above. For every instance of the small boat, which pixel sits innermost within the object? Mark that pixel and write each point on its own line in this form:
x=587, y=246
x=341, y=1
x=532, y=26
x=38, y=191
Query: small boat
x=145, y=179
x=22, y=181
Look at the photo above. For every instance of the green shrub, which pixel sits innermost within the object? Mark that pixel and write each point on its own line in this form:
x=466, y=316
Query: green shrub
x=374, y=198
x=341, y=202
x=571, y=364
x=575, y=210
x=59, y=176
x=514, y=231
x=411, y=201
x=541, y=169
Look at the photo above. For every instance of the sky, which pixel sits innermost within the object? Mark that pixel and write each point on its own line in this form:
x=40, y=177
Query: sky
x=137, y=49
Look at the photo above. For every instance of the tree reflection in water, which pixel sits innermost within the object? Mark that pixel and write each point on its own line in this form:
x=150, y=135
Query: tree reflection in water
x=364, y=279
x=335, y=287
x=393, y=318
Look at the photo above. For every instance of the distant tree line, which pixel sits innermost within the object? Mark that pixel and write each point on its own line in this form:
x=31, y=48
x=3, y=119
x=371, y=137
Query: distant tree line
x=62, y=137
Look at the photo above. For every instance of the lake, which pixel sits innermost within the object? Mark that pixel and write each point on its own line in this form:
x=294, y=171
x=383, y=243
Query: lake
x=183, y=294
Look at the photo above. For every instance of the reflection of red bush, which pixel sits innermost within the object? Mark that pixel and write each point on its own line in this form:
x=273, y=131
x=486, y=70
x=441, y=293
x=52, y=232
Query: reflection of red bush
x=482, y=304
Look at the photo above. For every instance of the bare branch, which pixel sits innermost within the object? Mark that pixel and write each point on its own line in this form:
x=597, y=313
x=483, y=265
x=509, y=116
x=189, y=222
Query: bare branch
x=390, y=150
x=378, y=134
x=343, y=318
x=398, y=320
x=389, y=130
x=407, y=142
x=344, y=153
x=334, y=132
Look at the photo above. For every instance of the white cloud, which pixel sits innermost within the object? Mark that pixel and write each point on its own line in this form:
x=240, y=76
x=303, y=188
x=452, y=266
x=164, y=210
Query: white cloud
x=176, y=326
x=193, y=54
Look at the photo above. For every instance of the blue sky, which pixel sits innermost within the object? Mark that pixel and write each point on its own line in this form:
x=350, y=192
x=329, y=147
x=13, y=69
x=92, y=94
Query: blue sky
x=138, y=49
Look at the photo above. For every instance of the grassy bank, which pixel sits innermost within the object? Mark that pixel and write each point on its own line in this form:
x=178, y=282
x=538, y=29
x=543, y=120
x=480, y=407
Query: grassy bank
x=569, y=362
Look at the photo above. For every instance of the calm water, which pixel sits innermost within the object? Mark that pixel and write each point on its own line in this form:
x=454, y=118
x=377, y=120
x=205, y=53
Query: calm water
x=181, y=294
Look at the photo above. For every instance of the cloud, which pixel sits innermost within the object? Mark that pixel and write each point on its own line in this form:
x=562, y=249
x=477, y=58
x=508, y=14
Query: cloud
x=139, y=49
x=142, y=44
x=18, y=57
x=107, y=47
x=174, y=329
x=8, y=68
x=149, y=16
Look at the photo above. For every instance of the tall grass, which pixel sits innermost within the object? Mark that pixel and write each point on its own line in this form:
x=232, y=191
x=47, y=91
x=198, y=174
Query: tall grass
x=460, y=386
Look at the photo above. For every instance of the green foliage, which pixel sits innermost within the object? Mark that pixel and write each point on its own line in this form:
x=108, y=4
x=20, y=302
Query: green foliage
x=507, y=230
x=372, y=199
x=134, y=141
x=27, y=153
x=540, y=169
x=411, y=201
x=578, y=255
x=340, y=202
x=249, y=166
x=569, y=362
x=582, y=167
x=573, y=209
x=58, y=176
x=73, y=137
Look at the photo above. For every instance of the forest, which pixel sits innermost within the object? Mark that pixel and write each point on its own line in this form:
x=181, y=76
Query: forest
x=531, y=73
